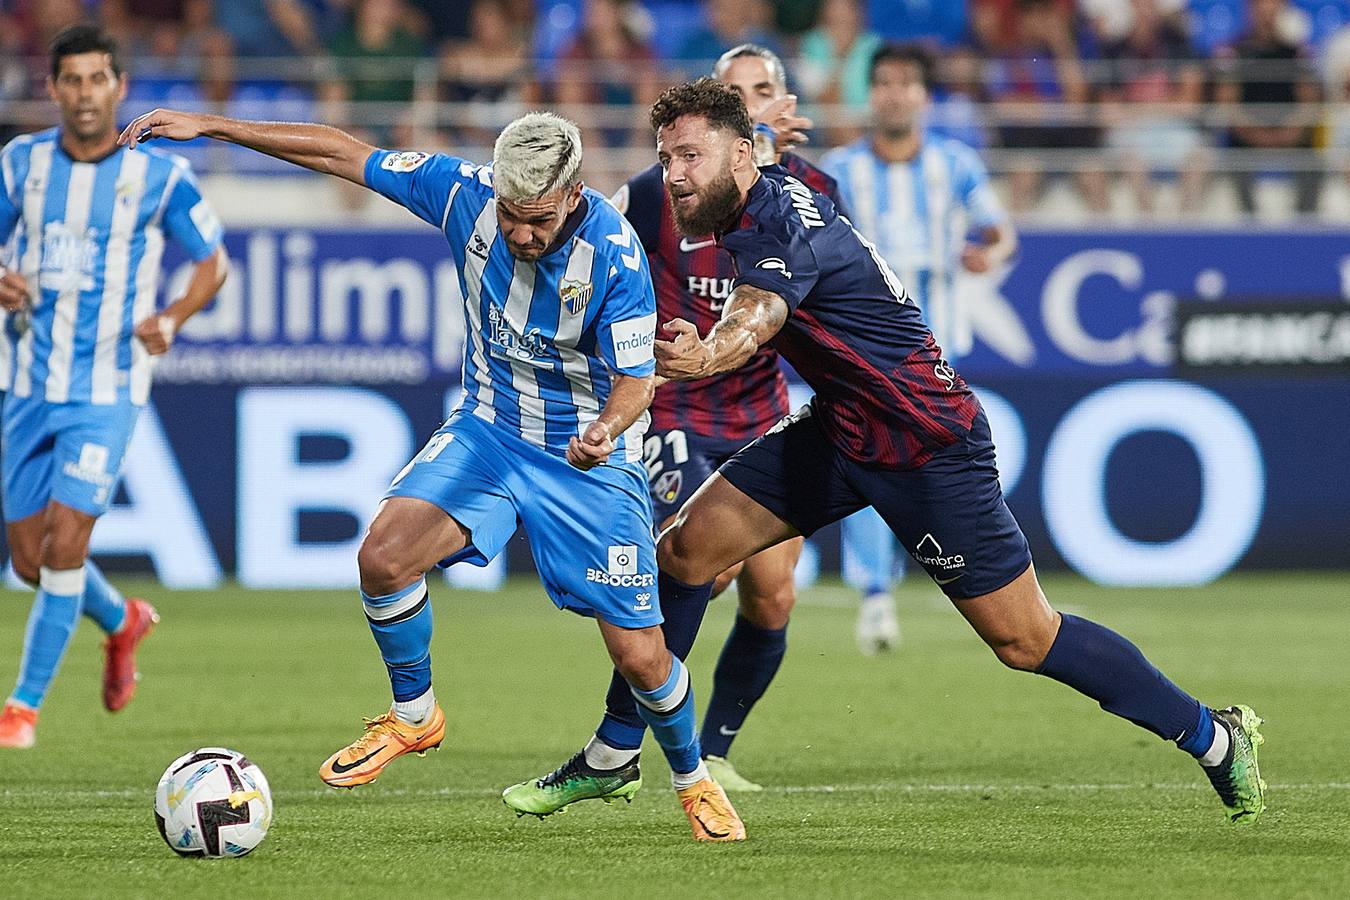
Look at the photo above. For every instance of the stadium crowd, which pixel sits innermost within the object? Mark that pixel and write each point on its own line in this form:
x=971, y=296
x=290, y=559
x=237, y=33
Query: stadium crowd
x=1103, y=92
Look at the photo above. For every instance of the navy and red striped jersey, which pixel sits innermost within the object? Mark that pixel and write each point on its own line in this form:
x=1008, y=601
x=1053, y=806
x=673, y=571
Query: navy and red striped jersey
x=884, y=394
x=693, y=278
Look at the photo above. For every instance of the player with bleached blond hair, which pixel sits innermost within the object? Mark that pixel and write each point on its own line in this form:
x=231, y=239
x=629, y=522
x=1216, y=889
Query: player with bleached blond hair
x=558, y=375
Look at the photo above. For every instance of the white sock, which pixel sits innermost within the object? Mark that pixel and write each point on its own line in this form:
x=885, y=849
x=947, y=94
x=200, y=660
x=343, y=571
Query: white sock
x=600, y=755
x=689, y=779
x=1219, y=749
x=416, y=710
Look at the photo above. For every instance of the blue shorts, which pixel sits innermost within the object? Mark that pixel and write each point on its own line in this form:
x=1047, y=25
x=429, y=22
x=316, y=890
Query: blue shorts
x=678, y=461
x=68, y=452
x=590, y=532
x=948, y=513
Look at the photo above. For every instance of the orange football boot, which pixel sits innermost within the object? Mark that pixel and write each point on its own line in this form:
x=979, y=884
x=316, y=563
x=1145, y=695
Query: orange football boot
x=385, y=740
x=710, y=813
x=18, y=726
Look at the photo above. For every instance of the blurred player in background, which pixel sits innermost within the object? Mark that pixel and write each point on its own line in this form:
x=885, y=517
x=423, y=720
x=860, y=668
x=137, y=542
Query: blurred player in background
x=891, y=426
x=926, y=203
x=558, y=376
x=695, y=428
x=89, y=219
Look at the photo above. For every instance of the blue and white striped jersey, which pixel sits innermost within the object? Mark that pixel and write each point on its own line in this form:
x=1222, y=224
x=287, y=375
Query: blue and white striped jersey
x=544, y=337
x=918, y=213
x=88, y=239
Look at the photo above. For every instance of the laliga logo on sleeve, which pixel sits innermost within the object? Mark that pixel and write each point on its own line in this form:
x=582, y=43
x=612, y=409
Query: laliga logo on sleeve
x=774, y=263
x=404, y=161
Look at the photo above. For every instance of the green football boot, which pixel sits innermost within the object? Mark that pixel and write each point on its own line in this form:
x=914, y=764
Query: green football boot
x=572, y=781
x=1238, y=779
x=725, y=774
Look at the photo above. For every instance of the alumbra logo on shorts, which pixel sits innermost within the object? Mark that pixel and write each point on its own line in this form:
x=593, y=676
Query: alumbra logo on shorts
x=622, y=570
x=929, y=553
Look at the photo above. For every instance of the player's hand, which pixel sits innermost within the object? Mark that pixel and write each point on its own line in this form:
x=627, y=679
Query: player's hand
x=592, y=448
x=975, y=258
x=684, y=358
x=13, y=290
x=164, y=123
x=156, y=333
x=789, y=128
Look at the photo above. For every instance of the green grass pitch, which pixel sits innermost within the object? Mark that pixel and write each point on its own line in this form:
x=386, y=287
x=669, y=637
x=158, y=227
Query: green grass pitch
x=931, y=771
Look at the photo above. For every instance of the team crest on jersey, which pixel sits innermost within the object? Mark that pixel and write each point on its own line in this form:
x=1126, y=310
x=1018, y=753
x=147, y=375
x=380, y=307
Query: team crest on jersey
x=575, y=295
x=404, y=161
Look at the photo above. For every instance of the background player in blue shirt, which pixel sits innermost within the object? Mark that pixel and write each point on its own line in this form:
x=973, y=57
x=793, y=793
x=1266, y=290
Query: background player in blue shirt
x=87, y=219
x=926, y=203
x=558, y=375
x=892, y=426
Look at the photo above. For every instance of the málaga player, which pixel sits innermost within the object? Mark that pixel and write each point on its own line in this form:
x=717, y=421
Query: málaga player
x=892, y=426
x=696, y=426
x=926, y=203
x=87, y=220
x=558, y=375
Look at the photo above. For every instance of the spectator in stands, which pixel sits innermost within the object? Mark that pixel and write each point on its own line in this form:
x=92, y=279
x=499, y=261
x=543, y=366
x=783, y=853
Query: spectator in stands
x=836, y=56
x=1043, y=99
x=373, y=54
x=610, y=64
x=1265, y=83
x=1336, y=88
x=926, y=21
x=491, y=69
x=1152, y=101
x=269, y=28
x=959, y=98
x=1113, y=20
x=14, y=77
x=730, y=24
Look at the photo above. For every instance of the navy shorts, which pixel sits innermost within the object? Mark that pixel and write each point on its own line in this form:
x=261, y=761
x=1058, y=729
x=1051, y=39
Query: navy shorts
x=678, y=461
x=949, y=513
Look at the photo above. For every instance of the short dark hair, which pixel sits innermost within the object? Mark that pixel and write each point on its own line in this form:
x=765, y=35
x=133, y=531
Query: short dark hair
x=903, y=53
x=707, y=97
x=83, y=38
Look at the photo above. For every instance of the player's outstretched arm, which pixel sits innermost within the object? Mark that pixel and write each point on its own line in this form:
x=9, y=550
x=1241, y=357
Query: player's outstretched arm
x=629, y=397
x=750, y=318
x=319, y=147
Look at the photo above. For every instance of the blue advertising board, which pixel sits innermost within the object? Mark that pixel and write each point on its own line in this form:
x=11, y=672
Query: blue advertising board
x=330, y=356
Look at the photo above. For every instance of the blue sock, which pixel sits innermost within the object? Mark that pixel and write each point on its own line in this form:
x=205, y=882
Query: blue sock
x=1100, y=663
x=669, y=712
x=401, y=624
x=56, y=609
x=868, y=552
x=749, y=660
x=683, y=606
x=101, y=601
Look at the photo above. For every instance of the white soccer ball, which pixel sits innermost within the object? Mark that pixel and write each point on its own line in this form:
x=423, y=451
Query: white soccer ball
x=213, y=802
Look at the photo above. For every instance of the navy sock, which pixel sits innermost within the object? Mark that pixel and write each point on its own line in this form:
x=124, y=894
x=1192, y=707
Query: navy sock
x=749, y=660
x=1098, y=662
x=683, y=606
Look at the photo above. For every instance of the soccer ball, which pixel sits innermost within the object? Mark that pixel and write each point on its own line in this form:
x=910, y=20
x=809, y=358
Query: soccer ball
x=213, y=802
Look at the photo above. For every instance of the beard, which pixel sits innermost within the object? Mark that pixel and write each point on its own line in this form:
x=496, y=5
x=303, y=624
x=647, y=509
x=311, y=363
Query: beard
x=716, y=205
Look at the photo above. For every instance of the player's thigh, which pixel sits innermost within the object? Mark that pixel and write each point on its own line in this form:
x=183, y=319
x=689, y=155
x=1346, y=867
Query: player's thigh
x=640, y=654
x=464, y=474
x=767, y=592
x=25, y=545
x=90, y=445
x=787, y=483
x=406, y=538
x=950, y=516
x=26, y=458
x=65, y=536
x=592, y=539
